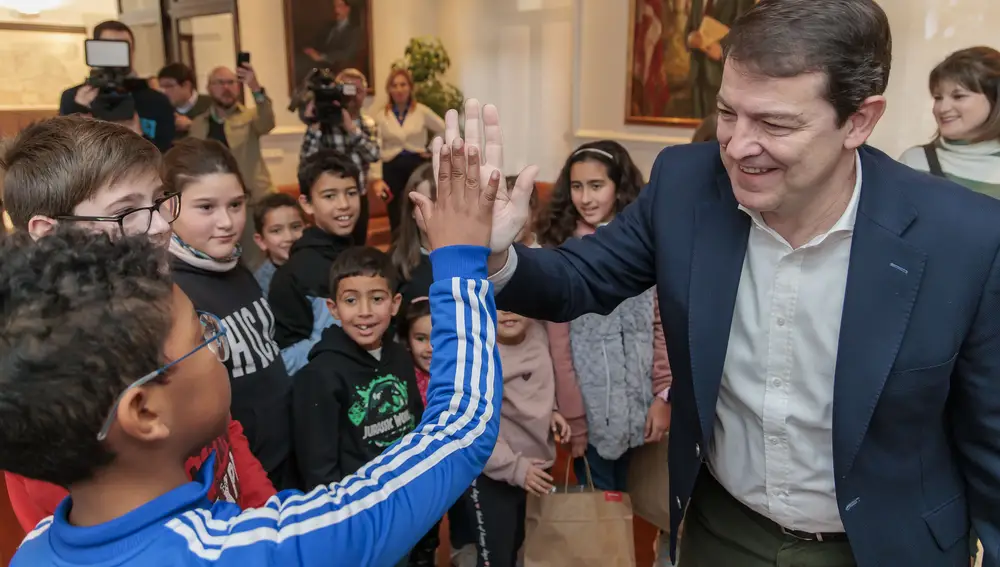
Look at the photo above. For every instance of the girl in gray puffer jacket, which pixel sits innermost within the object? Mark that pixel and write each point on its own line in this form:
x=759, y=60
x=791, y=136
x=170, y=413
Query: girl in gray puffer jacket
x=609, y=368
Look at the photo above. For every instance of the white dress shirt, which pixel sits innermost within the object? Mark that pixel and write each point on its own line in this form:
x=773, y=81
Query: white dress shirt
x=772, y=445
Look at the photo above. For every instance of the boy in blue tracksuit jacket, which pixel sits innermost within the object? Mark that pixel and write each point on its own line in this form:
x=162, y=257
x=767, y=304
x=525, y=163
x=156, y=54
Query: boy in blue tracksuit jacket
x=87, y=314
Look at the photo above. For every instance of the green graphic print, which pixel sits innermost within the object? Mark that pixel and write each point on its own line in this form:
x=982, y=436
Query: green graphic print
x=381, y=408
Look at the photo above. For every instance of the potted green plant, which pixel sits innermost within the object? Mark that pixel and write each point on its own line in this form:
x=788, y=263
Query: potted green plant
x=427, y=60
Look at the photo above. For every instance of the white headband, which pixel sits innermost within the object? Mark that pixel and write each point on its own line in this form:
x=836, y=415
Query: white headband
x=594, y=150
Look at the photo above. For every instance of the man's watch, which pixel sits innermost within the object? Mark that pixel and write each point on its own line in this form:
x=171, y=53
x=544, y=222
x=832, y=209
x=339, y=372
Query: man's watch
x=259, y=95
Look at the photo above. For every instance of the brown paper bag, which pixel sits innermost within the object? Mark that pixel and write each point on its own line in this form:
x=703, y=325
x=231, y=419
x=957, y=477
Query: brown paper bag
x=579, y=527
x=649, y=484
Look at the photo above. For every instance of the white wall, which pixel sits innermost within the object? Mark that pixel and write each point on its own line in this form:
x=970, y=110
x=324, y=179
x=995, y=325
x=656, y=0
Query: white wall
x=40, y=64
x=86, y=13
x=213, y=44
x=522, y=62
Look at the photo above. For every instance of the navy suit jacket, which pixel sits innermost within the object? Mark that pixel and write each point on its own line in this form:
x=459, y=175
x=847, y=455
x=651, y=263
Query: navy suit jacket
x=916, y=411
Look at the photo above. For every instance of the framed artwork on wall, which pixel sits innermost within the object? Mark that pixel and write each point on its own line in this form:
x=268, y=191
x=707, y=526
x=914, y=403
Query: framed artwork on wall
x=674, y=65
x=333, y=34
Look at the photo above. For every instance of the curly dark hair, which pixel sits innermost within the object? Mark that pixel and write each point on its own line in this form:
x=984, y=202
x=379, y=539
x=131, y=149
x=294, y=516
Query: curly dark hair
x=558, y=222
x=83, y=316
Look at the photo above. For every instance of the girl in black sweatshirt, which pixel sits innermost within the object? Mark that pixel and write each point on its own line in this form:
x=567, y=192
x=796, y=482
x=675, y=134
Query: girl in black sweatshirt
x=206, y=265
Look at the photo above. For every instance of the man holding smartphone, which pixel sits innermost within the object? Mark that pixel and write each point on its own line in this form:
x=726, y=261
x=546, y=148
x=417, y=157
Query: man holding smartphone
x=154, y=112
x=240, y=129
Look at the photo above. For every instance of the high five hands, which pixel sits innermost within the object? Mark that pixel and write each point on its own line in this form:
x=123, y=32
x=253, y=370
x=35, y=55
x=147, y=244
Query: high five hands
x=462, y=212
x=483, y=151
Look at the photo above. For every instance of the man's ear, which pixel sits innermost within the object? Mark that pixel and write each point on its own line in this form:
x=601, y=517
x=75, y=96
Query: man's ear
x=396, y=301
x=862, y=123
x=331, y=306
x=41, y=225
x=142, y=414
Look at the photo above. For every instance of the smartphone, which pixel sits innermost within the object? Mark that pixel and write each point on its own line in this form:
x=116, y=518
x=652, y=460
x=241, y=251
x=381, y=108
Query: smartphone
x=241, y=58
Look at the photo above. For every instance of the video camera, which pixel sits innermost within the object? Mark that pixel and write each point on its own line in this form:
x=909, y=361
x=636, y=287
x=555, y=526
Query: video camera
x=330, y=97
x=110, y=63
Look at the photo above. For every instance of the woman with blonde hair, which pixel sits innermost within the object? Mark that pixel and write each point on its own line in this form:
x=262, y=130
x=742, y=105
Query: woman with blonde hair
x=406, y=127
x=966, y=148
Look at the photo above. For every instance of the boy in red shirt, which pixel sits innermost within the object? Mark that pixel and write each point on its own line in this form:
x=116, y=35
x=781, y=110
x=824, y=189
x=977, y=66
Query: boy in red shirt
x=104, y=176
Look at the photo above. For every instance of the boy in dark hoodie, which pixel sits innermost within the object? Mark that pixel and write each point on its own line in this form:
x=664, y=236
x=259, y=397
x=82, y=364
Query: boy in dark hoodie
x=329, y=182
x=358, y=393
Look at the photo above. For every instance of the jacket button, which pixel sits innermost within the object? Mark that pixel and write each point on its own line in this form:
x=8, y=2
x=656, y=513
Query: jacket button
x=697, y=451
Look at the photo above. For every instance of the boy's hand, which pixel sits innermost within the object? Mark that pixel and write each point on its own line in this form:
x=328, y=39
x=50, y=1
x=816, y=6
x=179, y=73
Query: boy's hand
x=560, y=428
x=463, y=211
x=536, y=480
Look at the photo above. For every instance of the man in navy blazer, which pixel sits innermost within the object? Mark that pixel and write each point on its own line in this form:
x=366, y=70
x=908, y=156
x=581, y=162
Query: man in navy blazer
x=832, y=317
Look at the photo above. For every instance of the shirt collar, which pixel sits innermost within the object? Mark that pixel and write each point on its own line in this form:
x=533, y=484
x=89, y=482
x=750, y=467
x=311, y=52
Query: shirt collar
x=189, y=104
x=844, y=224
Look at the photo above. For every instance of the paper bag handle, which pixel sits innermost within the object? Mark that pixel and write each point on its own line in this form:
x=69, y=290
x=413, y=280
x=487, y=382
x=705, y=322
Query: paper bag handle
x=590, y=479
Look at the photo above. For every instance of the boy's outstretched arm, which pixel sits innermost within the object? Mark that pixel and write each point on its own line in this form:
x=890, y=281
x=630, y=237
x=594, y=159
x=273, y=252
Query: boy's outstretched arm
x=373, y=518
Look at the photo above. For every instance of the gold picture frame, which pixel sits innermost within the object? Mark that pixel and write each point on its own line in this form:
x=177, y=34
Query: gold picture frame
x=668, y=81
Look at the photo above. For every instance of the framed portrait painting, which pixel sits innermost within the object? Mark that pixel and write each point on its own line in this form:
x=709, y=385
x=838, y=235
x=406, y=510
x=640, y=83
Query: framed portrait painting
x=333, y=34
x=675, y=58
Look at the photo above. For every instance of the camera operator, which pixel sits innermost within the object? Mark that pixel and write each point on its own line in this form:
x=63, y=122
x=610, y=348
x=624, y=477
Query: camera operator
x=155, y=113
x=352, y=133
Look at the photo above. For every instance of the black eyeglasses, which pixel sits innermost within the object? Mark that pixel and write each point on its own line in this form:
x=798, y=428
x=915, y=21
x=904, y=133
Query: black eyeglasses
x=137, y=221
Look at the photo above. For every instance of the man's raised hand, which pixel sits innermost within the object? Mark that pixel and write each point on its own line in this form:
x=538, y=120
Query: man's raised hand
x=512, y=208
x=462, y=213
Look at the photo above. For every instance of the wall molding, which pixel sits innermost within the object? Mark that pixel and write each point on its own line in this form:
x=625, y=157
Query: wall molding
x=629, y=137
x=39, y=27
x=288, y=131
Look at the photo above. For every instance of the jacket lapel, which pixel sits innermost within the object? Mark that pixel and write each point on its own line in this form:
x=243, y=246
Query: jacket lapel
x=720, y=243
x=882, y=284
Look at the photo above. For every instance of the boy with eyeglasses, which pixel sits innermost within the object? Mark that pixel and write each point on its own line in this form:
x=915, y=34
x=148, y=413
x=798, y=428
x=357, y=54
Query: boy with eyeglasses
x=137, y=348
x=82, y=172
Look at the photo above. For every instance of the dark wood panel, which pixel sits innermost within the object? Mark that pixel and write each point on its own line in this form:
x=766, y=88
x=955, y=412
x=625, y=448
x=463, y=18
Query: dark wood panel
x=13, y=121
